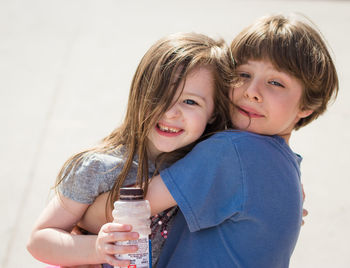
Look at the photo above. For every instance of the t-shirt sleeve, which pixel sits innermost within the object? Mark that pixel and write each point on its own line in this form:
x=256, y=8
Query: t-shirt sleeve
x=207, y=183
x=93, y=176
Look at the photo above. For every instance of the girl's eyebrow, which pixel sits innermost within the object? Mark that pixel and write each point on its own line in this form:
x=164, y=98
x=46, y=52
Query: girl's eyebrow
x=242, y=66
x=193, y=95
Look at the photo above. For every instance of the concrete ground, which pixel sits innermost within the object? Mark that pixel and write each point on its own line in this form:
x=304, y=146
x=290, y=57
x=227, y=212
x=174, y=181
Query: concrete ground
x=65, y=71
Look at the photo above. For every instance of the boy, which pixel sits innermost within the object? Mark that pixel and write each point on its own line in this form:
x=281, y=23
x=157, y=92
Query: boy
x=239, y=193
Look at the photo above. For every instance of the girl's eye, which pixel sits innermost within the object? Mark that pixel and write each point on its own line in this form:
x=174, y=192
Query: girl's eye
x=244, y=75
x=275, y=83
x=190, y=102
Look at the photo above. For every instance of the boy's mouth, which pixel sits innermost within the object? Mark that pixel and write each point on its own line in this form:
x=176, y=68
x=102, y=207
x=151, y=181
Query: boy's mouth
x=249, y=112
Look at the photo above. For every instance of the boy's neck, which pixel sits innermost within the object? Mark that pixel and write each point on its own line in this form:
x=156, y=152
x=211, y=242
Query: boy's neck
x=286, y=137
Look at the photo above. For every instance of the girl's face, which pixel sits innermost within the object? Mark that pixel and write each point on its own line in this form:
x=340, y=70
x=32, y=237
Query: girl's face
x=267, y=101
x=185, y=121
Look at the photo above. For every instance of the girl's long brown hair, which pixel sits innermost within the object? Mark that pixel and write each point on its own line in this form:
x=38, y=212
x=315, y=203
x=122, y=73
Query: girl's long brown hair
x=152, y=91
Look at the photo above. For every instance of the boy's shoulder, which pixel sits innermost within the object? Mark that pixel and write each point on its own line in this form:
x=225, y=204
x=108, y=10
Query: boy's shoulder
x=229, y=140
x=248, y=142
x=237, y=136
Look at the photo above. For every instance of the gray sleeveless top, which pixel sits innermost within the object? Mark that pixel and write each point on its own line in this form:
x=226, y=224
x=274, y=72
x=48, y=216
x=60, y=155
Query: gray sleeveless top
x=96, y=174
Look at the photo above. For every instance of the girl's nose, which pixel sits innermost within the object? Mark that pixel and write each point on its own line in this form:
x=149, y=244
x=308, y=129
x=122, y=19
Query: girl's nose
x=173, y=112
x=253, y=92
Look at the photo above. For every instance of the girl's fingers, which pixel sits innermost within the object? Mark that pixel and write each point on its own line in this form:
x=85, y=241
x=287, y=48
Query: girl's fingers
x=113, y=232
x=115, y=262
x=305, y=212
x=116, y=227
x=119, y=249
x=120, y=236
x=112, y=250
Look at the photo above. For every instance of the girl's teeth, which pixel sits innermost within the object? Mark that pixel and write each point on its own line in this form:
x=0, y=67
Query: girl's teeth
x=168, y=129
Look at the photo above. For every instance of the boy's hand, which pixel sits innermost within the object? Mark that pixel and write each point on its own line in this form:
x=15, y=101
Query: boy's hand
x=105, y=243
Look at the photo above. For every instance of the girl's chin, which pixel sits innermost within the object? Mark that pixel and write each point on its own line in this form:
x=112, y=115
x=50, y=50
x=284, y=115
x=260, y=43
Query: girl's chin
x=165, y=149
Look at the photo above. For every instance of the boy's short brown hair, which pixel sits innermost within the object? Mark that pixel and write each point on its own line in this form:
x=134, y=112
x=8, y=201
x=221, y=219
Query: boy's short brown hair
x=293, y=46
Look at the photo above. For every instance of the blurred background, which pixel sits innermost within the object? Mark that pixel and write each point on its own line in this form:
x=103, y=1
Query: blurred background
x=65, y=72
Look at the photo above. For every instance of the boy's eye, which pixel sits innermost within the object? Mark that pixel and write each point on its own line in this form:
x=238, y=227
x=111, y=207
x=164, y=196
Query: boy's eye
x=275, y=83
x=190, y=102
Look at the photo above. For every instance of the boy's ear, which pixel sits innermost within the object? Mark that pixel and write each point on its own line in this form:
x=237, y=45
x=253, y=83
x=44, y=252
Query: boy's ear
x=305, y=113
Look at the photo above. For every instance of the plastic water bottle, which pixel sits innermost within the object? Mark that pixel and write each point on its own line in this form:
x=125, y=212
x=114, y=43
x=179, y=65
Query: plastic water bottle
x=132, y=209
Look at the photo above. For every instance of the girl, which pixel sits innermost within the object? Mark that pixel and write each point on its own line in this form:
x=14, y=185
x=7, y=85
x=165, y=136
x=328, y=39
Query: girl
x=179, y=92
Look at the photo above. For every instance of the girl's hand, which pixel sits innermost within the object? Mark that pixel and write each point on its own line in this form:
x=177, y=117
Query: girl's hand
x=305, y=212
x=84, y=266
x=105, y=243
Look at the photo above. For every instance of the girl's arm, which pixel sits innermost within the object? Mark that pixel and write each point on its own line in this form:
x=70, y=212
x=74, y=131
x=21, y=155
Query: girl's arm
x=95, y=216
x=51, y=241
x=158, y=195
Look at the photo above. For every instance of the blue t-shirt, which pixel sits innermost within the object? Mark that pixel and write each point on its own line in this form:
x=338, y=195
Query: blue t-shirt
x=240, y=203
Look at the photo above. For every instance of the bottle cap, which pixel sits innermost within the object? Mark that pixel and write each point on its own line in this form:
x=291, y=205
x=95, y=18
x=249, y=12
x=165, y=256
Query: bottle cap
x=131, y=193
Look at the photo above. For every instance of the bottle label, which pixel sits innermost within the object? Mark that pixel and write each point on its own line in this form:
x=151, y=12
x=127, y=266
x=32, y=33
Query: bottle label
x=139, y=259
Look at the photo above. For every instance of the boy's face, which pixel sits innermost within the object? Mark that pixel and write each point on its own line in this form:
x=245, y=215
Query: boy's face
x=267, y=100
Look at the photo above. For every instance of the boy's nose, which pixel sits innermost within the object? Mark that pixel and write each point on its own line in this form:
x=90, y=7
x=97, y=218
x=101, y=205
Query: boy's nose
x=253, y=93
x=173, y=112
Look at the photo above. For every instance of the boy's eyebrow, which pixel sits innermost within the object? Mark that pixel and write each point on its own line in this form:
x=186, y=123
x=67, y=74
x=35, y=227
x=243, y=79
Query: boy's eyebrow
x=272, y=68
x=286, y=76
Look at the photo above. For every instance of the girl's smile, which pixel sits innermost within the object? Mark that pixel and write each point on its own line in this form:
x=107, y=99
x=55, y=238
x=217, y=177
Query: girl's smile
x=168, y=131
